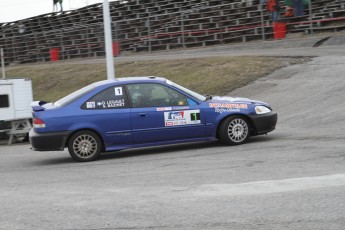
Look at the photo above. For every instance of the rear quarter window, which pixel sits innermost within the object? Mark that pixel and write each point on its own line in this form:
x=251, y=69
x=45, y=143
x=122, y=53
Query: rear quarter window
x=111, y=98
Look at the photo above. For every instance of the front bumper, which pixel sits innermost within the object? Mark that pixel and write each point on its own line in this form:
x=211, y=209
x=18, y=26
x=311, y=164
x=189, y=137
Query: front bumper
x=54, y=141
x=264, y=123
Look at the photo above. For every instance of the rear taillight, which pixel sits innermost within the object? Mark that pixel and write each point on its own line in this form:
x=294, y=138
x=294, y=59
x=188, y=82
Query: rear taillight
x=38, y=123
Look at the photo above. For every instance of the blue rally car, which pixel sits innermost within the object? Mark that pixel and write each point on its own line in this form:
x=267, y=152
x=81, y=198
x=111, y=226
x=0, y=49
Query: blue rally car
x=143, y=111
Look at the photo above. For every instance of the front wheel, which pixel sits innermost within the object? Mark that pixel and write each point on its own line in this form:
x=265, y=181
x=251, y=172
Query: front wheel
x=234, y=130
x=85, y=146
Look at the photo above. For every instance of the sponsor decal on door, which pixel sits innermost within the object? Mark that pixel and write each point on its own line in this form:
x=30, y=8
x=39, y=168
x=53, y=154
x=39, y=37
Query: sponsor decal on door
x=184, y=117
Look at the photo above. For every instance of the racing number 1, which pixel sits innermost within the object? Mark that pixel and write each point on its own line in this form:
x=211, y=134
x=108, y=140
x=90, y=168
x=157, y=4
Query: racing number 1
x=195, y=116
x=118, y=91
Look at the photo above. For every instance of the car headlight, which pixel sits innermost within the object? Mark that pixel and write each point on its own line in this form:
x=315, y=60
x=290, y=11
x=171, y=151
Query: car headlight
x=261, y=109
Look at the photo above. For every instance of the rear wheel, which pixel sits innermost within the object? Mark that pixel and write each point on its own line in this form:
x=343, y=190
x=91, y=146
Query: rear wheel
x=234, y=130
x=85, y=146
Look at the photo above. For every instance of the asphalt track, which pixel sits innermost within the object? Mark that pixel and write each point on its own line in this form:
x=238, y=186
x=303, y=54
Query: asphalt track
x=293, y=178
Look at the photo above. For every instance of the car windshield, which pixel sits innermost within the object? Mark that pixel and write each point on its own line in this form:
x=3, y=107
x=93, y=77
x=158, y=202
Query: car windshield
x=188, y=91
x=71, y=97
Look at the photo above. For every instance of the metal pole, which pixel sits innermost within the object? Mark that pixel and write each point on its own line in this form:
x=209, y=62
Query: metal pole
x=182, y=30
x=310, y=18
x=62, y=46
x=115, y=30
x=108, y=41
x=149, y=33
x=2, y=63
x=262, y=21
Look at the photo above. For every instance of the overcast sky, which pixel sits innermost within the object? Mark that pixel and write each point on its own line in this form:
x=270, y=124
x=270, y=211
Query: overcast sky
x=13, y=10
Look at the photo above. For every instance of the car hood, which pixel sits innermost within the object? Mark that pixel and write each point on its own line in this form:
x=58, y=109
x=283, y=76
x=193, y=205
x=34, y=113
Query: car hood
x=240, y=100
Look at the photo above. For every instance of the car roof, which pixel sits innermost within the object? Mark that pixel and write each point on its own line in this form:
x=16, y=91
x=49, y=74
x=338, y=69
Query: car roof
x=130, y=80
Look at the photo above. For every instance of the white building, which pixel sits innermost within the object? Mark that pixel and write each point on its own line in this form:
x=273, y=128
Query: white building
x=15, y=109
x=15, y=99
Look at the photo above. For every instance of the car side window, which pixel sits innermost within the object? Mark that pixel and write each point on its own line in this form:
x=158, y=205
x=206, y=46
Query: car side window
x=111, y=98
x=155, y=95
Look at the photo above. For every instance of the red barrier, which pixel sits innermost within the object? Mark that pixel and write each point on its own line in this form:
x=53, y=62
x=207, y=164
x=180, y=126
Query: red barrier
x=116, y=49
x=279, y=30
x=54, y=54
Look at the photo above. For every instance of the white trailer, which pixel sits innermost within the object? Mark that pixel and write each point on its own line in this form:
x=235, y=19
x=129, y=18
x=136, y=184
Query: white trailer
x=15, y=100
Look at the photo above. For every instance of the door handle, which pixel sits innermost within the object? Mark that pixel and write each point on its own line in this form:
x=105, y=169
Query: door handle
x=143, y=115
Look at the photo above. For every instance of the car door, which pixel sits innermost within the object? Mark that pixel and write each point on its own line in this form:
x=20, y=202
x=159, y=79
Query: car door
x=161, y=114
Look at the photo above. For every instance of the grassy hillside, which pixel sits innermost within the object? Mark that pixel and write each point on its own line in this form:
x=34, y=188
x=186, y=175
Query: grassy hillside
x=214, y=75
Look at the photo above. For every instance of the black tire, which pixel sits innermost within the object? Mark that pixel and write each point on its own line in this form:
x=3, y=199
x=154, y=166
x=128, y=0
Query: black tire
x=234, y=130
x=85, y=146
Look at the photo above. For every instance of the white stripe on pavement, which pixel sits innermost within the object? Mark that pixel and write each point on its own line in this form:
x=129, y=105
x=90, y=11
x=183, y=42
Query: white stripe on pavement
x=270, y=186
